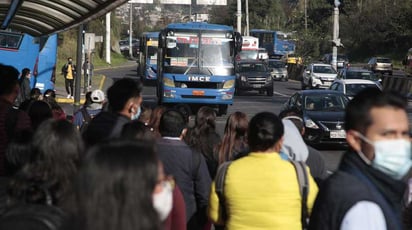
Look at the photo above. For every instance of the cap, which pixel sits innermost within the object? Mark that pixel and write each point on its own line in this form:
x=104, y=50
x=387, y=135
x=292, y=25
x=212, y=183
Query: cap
x=97, y=96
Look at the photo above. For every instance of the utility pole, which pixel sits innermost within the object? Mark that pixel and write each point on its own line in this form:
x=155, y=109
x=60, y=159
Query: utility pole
x=247, y=18
x=336, y=40
x=107, y=40
x=239, y=16
x=130, y=30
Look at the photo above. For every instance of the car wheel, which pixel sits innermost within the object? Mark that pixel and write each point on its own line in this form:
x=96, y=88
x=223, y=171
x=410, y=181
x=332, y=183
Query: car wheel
x=303, y=85
x=310, y=84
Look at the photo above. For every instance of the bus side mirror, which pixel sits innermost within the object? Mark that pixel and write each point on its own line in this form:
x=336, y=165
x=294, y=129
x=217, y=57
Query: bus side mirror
x=162, y=39
x=238, y=42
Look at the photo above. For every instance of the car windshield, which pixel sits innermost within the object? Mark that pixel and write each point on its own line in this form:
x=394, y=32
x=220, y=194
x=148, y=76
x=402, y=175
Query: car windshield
x=325, y=102
x=276, y=64
x=252, y=67
x=353, y=89
x=323, y=69
x=383, y=60
x=361, y=75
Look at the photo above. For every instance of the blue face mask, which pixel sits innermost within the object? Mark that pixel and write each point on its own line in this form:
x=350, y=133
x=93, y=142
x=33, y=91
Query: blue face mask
x=137, y=114
x=392, y=157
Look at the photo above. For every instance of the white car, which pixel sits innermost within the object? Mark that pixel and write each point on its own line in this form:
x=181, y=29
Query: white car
x=350, y=87
x=318, y=75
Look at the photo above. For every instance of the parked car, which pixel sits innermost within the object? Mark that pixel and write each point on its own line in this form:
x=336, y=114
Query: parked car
x=341, y=60
x=323, y=113
x=278, y=69
x=380, y=65
x=253, y=75
x=318, y=75
x=124, y=47
x=358, y=73
x=350, y=87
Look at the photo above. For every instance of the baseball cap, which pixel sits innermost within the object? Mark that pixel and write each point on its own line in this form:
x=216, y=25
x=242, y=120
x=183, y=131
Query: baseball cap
x=97, y=96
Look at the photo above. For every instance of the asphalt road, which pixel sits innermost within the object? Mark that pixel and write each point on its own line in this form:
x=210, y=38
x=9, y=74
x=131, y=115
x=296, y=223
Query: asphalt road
x=249, y=103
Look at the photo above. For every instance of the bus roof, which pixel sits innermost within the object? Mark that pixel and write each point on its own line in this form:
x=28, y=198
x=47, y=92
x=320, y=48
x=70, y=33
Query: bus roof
x=199, y=26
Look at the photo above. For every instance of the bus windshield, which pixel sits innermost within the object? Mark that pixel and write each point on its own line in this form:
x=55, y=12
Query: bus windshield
x=186, y=53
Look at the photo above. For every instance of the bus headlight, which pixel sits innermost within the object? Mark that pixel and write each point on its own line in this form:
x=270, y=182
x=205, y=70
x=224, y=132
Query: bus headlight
x=229, y=84
x=168, y=82
x=243, y=78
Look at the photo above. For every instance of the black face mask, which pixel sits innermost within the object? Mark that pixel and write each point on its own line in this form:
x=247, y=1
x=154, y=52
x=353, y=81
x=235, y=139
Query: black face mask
x=70, y=62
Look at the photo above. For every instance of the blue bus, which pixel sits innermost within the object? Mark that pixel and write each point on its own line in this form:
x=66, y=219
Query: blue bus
x=276, y=43
x=196, y=63
x=147, y=67
x=39, y=54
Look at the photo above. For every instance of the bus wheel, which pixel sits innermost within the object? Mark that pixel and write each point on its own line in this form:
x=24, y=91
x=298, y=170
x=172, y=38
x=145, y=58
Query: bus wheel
x=222, y=110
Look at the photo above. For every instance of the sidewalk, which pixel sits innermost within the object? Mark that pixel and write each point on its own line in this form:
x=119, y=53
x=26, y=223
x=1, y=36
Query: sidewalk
x=61, y=94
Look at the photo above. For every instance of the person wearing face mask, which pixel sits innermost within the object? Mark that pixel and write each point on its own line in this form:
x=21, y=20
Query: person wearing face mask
x=119, y=186
x=124, y=101
x=69, y=73
x=367, y=190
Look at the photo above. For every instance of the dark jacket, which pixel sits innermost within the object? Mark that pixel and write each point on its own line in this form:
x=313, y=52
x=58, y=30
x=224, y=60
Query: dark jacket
x=356, y=181
x=191, y=175
x=103, y=127
x=65, y=70
x=25, y=89
x=316, y=164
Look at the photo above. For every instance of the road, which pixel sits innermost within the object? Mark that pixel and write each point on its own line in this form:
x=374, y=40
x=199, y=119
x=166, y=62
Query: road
x=249, y=103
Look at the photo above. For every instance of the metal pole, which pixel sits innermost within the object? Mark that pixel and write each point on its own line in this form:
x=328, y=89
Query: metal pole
x=108, y=38
x=130, y=30
x=78, y=78
x=335, y=37
x=247, y=17
x=239, y=16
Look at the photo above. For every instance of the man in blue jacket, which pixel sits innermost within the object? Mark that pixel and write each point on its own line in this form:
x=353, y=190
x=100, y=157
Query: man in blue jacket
x=366, y=192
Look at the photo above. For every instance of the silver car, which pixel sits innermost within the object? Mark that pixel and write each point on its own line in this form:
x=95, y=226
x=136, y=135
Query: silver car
x=318, y=75
x=380, y=65
x=278, y=69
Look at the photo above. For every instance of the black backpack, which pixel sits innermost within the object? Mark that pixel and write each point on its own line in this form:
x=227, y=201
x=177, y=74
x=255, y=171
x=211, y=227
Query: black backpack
x=86, y=120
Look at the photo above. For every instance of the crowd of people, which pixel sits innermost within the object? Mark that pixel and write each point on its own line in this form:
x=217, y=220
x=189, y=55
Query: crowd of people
x=119, y=164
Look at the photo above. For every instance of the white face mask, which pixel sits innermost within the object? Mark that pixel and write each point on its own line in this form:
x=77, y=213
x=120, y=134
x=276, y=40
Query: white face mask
x=392, y=157
x=163, y=201
x=137, y=114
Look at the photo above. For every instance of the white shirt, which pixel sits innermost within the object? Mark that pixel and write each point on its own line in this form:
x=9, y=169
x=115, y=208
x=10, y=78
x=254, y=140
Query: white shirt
x=364, y=215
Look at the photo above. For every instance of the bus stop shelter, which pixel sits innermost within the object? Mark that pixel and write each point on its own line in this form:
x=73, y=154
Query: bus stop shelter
x=45, y=17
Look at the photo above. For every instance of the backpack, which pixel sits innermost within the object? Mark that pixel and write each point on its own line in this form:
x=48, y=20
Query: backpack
x=86, y=120
x=303, y=181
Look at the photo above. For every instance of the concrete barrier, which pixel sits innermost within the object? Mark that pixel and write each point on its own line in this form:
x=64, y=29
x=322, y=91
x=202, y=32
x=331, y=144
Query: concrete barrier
x=398, y=83
x=295, y=71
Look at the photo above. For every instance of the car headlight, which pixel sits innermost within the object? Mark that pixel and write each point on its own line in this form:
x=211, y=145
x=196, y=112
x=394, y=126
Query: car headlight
x=168, y=82
x=315, y=76
x=311, y=124
x=269, y=78
x=243, y=78
x=229, y=84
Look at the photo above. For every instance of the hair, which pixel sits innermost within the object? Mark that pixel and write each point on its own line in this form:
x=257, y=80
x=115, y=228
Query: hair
x=137, y=130
x=172, y=123
x=18, y=152
x=154, y=121
x=358, y=117
x=265, y=130
x=235, y=132
x=295, y=116
x=115, y=185
x=8, y=79
x=205, y=123
x=121, y=91
x=24, y=72
x=145, y=114
x=49, y=93
x=88, y=99
x=56, y=154
x=35, y=93
x=38, y=112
